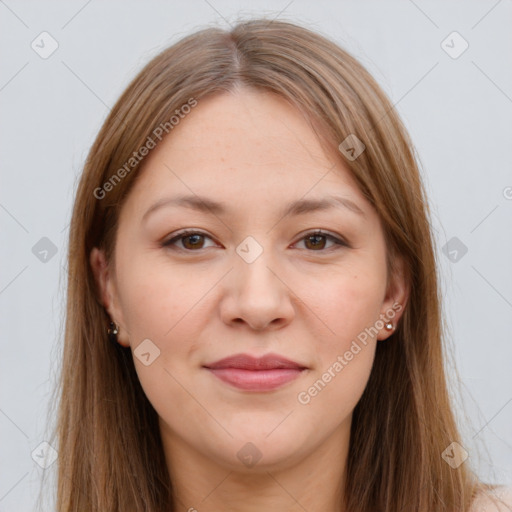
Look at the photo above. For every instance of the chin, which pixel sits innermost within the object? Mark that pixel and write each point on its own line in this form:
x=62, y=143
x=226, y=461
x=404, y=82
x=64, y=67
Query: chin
x=256, y=450
x=260, y=457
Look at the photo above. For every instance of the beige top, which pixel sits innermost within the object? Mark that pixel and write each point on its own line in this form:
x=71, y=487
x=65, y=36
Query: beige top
x=485, y=503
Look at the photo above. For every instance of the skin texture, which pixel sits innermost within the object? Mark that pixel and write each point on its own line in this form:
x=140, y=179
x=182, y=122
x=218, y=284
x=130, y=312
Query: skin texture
x=254, y=153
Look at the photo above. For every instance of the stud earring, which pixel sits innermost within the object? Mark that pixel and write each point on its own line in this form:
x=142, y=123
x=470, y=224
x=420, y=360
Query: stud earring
x=389, y=326
x=112, y=331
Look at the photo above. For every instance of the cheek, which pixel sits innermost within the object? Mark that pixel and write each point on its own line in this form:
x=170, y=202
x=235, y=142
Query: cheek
x=157, y=300
x=167, y=309
x=334, y=390
x=347, y=302
x=171, y=309
x=343, y=360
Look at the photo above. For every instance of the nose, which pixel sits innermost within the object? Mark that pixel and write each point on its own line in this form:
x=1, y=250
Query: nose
x=256, y=295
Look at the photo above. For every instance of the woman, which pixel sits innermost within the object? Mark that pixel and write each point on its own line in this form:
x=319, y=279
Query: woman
x=253, y=317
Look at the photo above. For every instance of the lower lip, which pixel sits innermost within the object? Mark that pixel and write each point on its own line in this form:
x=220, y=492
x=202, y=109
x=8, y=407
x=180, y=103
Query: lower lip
x=256, y=380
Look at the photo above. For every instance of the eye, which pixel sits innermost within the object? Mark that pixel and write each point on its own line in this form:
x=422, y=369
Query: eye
x=316, y=241
x=190, y=240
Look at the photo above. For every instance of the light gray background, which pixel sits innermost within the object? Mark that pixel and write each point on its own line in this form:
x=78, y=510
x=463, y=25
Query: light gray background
x=458, y=112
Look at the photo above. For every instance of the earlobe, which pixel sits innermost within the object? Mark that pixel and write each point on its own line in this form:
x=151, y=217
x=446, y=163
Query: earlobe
x=105, y=296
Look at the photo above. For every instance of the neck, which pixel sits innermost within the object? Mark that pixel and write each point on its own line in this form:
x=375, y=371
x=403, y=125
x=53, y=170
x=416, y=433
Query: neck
x=203, y=484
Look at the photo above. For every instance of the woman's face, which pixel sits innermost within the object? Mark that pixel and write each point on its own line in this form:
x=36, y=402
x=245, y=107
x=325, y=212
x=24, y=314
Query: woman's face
x=245, y=173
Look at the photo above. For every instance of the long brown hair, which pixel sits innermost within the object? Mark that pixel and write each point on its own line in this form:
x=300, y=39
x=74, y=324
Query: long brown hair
x=110, y=451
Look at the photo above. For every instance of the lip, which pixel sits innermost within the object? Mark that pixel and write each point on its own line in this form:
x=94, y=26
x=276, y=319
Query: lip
x=256, y=374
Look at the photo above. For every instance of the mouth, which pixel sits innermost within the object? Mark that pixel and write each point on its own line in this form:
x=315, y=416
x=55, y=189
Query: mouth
x=256, y=374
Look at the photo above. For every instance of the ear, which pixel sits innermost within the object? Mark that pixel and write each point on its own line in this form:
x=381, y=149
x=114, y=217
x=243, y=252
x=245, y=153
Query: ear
x=107, y=293
x=397, y=295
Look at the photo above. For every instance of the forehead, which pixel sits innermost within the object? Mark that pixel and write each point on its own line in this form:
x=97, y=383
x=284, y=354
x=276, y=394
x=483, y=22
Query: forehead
x=249, y=145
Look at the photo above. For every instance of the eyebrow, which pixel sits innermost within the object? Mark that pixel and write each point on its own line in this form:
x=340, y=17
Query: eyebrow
x=299, y=207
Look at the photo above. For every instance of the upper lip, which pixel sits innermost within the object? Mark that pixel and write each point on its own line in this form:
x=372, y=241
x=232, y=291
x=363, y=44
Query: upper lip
x=247, y=362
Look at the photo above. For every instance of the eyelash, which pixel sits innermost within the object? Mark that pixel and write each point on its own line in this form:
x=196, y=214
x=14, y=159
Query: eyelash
x=183, y=234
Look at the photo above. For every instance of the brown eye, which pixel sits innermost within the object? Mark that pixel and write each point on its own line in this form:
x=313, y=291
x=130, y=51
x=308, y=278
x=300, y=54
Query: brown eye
x=190, y=241
x=317, y=241
x=193, y=241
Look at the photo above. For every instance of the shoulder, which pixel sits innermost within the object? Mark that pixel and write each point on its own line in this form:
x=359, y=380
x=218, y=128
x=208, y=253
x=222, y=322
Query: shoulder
x=496, y=500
